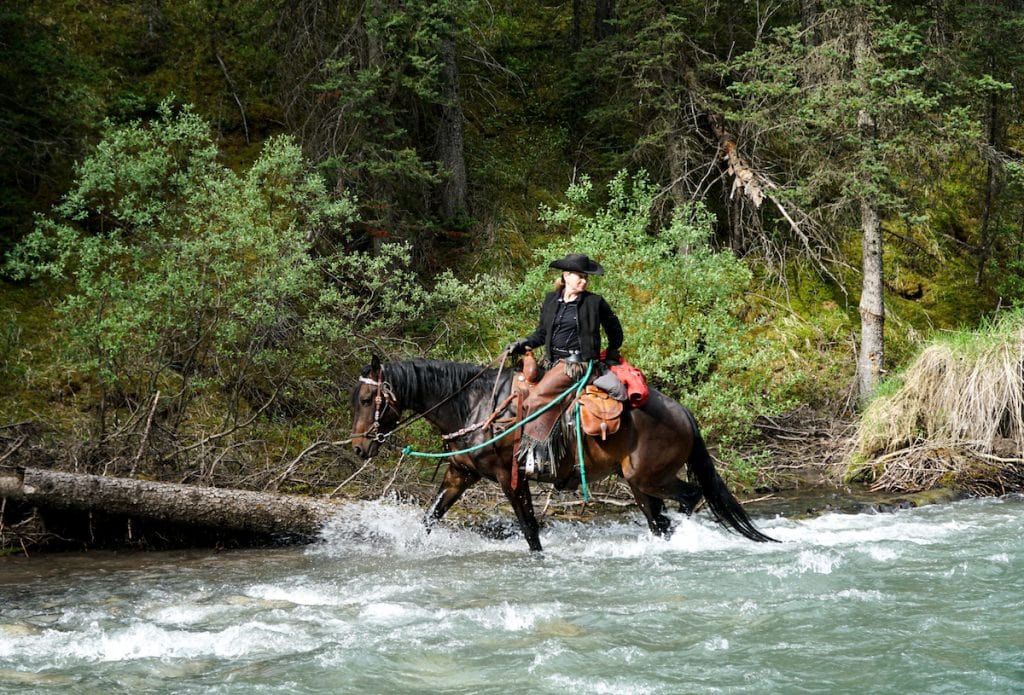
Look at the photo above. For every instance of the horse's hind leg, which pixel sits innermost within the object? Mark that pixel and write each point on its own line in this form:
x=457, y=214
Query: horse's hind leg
x=457, y=479
x=686, y=494
x=652, y=507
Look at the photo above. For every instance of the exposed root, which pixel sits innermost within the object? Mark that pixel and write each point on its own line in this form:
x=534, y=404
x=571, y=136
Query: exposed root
x=926, y=466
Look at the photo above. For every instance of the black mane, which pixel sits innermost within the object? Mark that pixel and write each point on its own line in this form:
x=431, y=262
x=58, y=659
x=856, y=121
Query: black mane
x=420, y=383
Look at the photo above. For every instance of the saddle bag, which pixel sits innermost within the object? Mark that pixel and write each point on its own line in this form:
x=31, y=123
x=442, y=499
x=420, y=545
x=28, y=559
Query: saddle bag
x=600, y=414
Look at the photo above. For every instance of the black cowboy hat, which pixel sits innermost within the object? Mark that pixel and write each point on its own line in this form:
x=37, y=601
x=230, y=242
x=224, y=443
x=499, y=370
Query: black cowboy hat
x=578, y=263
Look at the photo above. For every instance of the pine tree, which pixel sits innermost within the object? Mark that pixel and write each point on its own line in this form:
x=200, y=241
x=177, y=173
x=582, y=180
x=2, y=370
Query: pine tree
x=849, y=117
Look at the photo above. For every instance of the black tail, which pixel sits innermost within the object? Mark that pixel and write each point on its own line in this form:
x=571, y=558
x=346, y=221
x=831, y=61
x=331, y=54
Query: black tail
x=725, y=506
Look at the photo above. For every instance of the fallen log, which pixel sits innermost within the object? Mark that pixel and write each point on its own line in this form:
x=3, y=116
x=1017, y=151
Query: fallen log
x=242, y=511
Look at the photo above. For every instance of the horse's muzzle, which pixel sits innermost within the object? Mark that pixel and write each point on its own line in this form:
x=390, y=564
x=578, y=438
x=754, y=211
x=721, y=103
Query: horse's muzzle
x=364, y=447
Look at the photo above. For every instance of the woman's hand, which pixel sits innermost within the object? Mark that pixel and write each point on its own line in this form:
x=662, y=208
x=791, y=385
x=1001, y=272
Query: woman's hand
x=517, y=347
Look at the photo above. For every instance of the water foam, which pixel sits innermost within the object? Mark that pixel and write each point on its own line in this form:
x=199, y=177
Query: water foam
x=140, y=640
x=602, y=686
x=377, y=527
x=608, y=608
x=381, y=526
x=397, y=530
x=296, y=593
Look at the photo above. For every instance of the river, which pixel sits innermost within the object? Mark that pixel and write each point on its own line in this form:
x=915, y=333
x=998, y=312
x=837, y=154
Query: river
x=927, y=600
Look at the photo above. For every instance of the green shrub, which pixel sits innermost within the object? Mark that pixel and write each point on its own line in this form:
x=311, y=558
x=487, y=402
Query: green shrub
x=680, y=302
x=226, y=293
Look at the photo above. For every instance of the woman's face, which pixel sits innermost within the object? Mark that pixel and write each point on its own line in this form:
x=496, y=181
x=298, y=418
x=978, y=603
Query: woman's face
x=575, y=282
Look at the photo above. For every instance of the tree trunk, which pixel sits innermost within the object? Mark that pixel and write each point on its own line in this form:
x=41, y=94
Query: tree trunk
x=455, y=195
x=676, y=154
x=576, y=37
x=604, y=13
x=217, y=508
x=809, y=22
x=870, y=361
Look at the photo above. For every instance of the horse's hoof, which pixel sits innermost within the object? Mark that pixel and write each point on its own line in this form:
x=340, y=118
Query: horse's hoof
x=689, y=502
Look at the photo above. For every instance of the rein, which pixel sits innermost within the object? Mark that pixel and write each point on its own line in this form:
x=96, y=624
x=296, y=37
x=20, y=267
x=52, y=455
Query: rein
x=577, y=386
x=385, y=391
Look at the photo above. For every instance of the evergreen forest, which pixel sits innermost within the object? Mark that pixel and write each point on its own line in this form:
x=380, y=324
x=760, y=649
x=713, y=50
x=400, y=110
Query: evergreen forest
x=213, y=212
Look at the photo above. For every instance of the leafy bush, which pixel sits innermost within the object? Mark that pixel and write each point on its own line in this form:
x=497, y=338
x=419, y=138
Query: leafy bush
x=209, y=287
x=679, y=300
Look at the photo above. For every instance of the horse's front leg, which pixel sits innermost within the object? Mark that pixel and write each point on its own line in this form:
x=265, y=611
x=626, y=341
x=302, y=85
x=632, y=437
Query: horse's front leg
x=521, y=500
x=457, y=479
x=522, y=503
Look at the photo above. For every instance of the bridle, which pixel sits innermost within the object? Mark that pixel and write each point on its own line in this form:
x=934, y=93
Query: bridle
x=383, y=400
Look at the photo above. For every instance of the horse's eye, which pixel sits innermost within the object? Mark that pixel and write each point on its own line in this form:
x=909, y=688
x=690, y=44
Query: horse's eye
x=366, y=400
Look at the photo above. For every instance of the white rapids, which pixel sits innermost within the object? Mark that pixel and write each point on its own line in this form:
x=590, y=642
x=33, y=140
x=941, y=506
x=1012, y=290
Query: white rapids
x=924, y=600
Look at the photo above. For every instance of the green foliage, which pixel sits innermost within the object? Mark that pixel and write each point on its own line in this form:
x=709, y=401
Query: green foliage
x=644, y=85
x=823, y=93
x=204, y=260
x=371, y=100
x=680, y=302
x=1007, y=238
x=186, y=278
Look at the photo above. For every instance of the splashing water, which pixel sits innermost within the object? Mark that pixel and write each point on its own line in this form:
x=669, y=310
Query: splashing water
x=925, y=600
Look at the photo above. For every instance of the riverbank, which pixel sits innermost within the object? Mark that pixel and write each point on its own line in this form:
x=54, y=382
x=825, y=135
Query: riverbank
x=804, y=479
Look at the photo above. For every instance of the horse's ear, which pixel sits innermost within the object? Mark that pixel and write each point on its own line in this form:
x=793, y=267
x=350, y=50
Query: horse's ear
x=375, y=365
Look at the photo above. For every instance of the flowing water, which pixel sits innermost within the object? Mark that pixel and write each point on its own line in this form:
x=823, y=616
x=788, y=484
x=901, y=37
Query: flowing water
x=928, y=600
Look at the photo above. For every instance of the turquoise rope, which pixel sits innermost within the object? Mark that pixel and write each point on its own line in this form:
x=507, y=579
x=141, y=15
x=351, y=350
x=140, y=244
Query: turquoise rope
x=579, y=448
x=578, y=386
x=579, y=434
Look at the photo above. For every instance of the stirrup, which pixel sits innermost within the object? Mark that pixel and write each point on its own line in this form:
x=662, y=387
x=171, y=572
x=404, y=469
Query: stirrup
x=533, y=465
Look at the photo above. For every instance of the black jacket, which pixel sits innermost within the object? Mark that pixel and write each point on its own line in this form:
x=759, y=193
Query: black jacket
x=594, y=314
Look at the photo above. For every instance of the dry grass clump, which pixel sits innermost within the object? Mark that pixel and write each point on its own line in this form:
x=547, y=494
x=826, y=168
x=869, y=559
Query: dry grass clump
x=957, y=418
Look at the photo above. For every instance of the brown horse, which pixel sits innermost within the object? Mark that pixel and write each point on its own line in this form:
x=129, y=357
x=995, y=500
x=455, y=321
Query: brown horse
x=648, y=451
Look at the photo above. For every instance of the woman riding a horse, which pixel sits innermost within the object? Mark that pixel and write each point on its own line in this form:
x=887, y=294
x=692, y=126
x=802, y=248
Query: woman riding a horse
x=571, y=320
x=657, y=438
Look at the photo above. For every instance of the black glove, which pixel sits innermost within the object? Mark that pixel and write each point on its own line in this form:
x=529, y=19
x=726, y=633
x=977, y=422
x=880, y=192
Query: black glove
x=517, y=347
x=611, y=359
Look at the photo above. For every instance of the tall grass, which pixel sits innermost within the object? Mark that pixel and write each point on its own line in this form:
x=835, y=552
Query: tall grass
x=955, y=417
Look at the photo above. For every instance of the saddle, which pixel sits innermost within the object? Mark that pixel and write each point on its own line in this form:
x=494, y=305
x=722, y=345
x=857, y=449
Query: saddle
x=547, y=439
x=600, y=414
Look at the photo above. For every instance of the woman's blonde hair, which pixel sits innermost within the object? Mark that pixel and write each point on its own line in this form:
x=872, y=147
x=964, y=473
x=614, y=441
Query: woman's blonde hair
x=560, y=282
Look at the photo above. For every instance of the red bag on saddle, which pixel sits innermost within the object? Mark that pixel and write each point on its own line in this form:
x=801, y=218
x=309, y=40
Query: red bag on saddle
x=633, y=379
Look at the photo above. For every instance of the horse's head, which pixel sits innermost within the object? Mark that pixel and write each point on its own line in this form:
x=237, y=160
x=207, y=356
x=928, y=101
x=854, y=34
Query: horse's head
x=375, y=409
